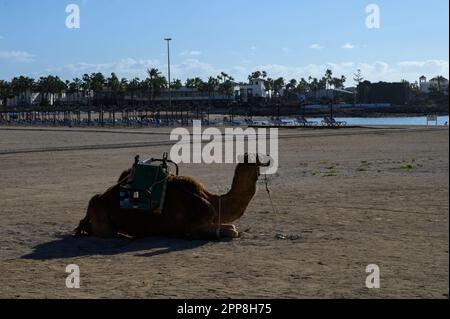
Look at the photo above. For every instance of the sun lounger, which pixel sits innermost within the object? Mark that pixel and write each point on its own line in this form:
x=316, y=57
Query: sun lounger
x=329, y=121
x=303, y=121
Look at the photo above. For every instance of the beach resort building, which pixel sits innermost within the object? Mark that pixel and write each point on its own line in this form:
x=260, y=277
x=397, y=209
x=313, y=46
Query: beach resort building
x=439, y=83
x=256, y=88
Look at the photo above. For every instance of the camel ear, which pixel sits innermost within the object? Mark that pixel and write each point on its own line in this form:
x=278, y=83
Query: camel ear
x=251, y=159
x=244, y=159
x=248, y=159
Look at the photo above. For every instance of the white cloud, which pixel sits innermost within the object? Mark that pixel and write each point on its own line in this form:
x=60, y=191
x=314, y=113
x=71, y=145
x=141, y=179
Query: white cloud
x=316, y=46
x=124, y=68
x=374, y=71
x=429, y=68
x=191, y=53
x=131, y=68
x=348, y=46
x=193, y=68
x=252, y=50
x=17, y=56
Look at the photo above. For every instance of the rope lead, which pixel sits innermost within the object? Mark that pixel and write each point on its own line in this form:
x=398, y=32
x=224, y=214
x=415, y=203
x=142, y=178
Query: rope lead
x=278, y=234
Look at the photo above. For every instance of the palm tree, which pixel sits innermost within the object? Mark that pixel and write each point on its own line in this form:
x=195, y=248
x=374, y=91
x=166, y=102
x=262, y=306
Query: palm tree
x=75, y=86
x=98, y=83
x=256, y=75
x=211, y=87
x=278, y=85
x=338, y=83
x=114, y=86
x=133, y=87
x=86, y=86
x=44, y=86
x=5, y=91
x=328, y=78
x=190, y=84
x=156, y=83
x=302, y=86
x=225, y=88
x=195, y=84
x=176, y=84
x=291, y=85
x=60, y=86
x=48, y=87
x=268, y=86
x=314, y=86
x=20, y=86
x=123, y=87
x=202, y=87
x=153, y=75
x=439, y=80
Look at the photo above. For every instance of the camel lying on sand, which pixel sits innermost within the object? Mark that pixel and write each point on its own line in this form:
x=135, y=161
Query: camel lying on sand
x=190, y=211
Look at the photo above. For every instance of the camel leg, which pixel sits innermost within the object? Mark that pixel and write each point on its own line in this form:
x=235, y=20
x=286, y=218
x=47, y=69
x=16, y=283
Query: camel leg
x=102, y=228
x=231, y=229
x=101, y=225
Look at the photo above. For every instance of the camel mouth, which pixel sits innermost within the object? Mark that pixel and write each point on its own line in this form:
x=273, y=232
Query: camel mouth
x=255, y=159
x=267, y=164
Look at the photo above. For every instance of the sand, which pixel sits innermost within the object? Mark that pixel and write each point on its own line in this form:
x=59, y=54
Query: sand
x=345, y=199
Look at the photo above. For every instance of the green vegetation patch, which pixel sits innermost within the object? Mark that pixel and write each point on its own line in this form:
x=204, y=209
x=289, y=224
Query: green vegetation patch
x=408, y=166
x=364, y=167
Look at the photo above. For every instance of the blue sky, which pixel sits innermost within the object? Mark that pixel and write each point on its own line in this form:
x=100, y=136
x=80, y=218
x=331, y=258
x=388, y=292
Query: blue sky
x=290, y=38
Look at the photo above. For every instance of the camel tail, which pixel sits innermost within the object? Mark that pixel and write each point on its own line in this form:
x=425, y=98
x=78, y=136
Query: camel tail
x=84, y=228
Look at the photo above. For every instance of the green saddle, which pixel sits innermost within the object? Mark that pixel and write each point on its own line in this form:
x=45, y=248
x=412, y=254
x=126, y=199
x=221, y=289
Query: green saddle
x=145, y=188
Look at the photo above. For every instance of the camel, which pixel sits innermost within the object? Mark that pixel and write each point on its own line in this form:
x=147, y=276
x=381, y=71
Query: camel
x=190, y=211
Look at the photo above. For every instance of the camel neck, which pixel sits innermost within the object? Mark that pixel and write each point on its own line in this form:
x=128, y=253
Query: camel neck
x=234, y=203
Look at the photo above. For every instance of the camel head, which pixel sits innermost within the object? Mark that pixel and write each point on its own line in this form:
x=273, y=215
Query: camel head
x=249, y=166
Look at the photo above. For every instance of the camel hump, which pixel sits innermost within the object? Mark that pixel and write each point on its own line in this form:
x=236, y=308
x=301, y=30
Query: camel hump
x=93, y=202
x=124, y=175
x=187, y=184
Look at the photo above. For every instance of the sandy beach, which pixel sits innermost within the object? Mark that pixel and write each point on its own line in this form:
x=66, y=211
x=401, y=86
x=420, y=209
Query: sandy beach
x=345, y=199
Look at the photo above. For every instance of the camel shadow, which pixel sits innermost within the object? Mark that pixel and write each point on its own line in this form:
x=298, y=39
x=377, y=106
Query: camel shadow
x=70, y=247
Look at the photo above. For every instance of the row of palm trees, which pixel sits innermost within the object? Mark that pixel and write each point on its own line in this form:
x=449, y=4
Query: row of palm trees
x=97, y=83
x=302, y=86
x=153, y=85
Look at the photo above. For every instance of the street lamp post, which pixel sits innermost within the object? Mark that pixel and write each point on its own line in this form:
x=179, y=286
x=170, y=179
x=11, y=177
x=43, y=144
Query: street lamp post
x=168, y=71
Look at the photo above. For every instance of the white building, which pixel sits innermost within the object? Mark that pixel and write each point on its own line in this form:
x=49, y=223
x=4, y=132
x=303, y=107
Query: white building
x=425, y=85
x=255, y=89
